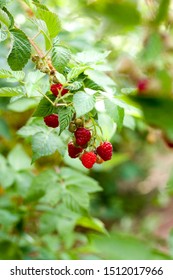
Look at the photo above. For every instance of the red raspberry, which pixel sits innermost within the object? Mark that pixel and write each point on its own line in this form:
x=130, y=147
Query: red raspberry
x=88, y=159
x=82, y=135
x=55, y=88
x=105, y=151
x=51, y=120
x=142, y=85
x=74, y=151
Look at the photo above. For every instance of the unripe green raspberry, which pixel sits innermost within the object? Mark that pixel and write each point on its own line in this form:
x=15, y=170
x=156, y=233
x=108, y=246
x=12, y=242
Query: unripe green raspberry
x=79, y=122
x=72, y=127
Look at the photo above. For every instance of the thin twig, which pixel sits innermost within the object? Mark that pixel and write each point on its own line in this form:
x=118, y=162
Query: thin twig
x=41, y=55
x=61, y=104
x=47, y=98
x=36, y=35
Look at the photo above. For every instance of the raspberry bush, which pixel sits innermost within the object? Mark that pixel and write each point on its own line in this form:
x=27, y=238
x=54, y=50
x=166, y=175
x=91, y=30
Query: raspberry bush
x=80, y=106
x=69, y=95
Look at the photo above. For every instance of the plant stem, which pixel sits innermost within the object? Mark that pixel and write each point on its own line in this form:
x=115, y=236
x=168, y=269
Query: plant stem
x=35, y=36
x=40, y=53
x=61, y=104
x=47, y=98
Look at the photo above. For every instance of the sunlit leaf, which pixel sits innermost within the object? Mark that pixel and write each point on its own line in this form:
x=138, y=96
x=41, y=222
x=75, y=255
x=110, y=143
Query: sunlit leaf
x=83, y=103
x=20, y=51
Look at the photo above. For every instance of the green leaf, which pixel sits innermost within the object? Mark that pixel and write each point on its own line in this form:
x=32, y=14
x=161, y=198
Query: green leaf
x=43, y=28
x=39, y=5
x=9, y=92
x=52, y=196
x=60, y=56
x=73, y=177
x=33, y=126
x=119, y=246
x=3, y=35
x=162, y=11
x=65, y=115
x=75, y=198
x=125, y=102
x=7, y=218
x=91, y=223
x=92, y=85
x=35, y=83
x=6, y=180
x=66, y=225
x=115, y=112
x=129, y=121
x=21, y=50
x=18, y=75
x=91, y=57
x=23, y=181
x=4, y=18
x=5, y=74
x=108, y=126
x=166, y=82
x=3, y=3
x=45, y=144
x=18, y=159
x=158, y=112
x=61, y=78
x=100, y=78
x=22, y=104
x=46, y=187
x=11, y=249
x=74, y=86
x=44, y=180
x=120, y=13
x=45, y=108
x=4, y=129
x=10, y=17
x=75, y=72
x=83, y=103
x=61, y=220
x=52, y=21
x=153, y=48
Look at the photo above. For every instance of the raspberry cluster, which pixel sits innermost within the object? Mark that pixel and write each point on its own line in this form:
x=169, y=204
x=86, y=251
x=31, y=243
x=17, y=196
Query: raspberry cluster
x=83, y=144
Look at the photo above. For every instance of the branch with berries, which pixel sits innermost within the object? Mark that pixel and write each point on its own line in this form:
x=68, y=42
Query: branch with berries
x=68, y=102
x=82, y=144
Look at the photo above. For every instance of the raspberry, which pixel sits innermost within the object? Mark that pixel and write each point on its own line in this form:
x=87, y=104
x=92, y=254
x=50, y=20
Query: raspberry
x=74, y=151
x=88, y=159
x=79, y=122
x=51, y=120
x=142, y=85
x=83, y=136
x=55, y=88
x=105, y=151
x=72, y=127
